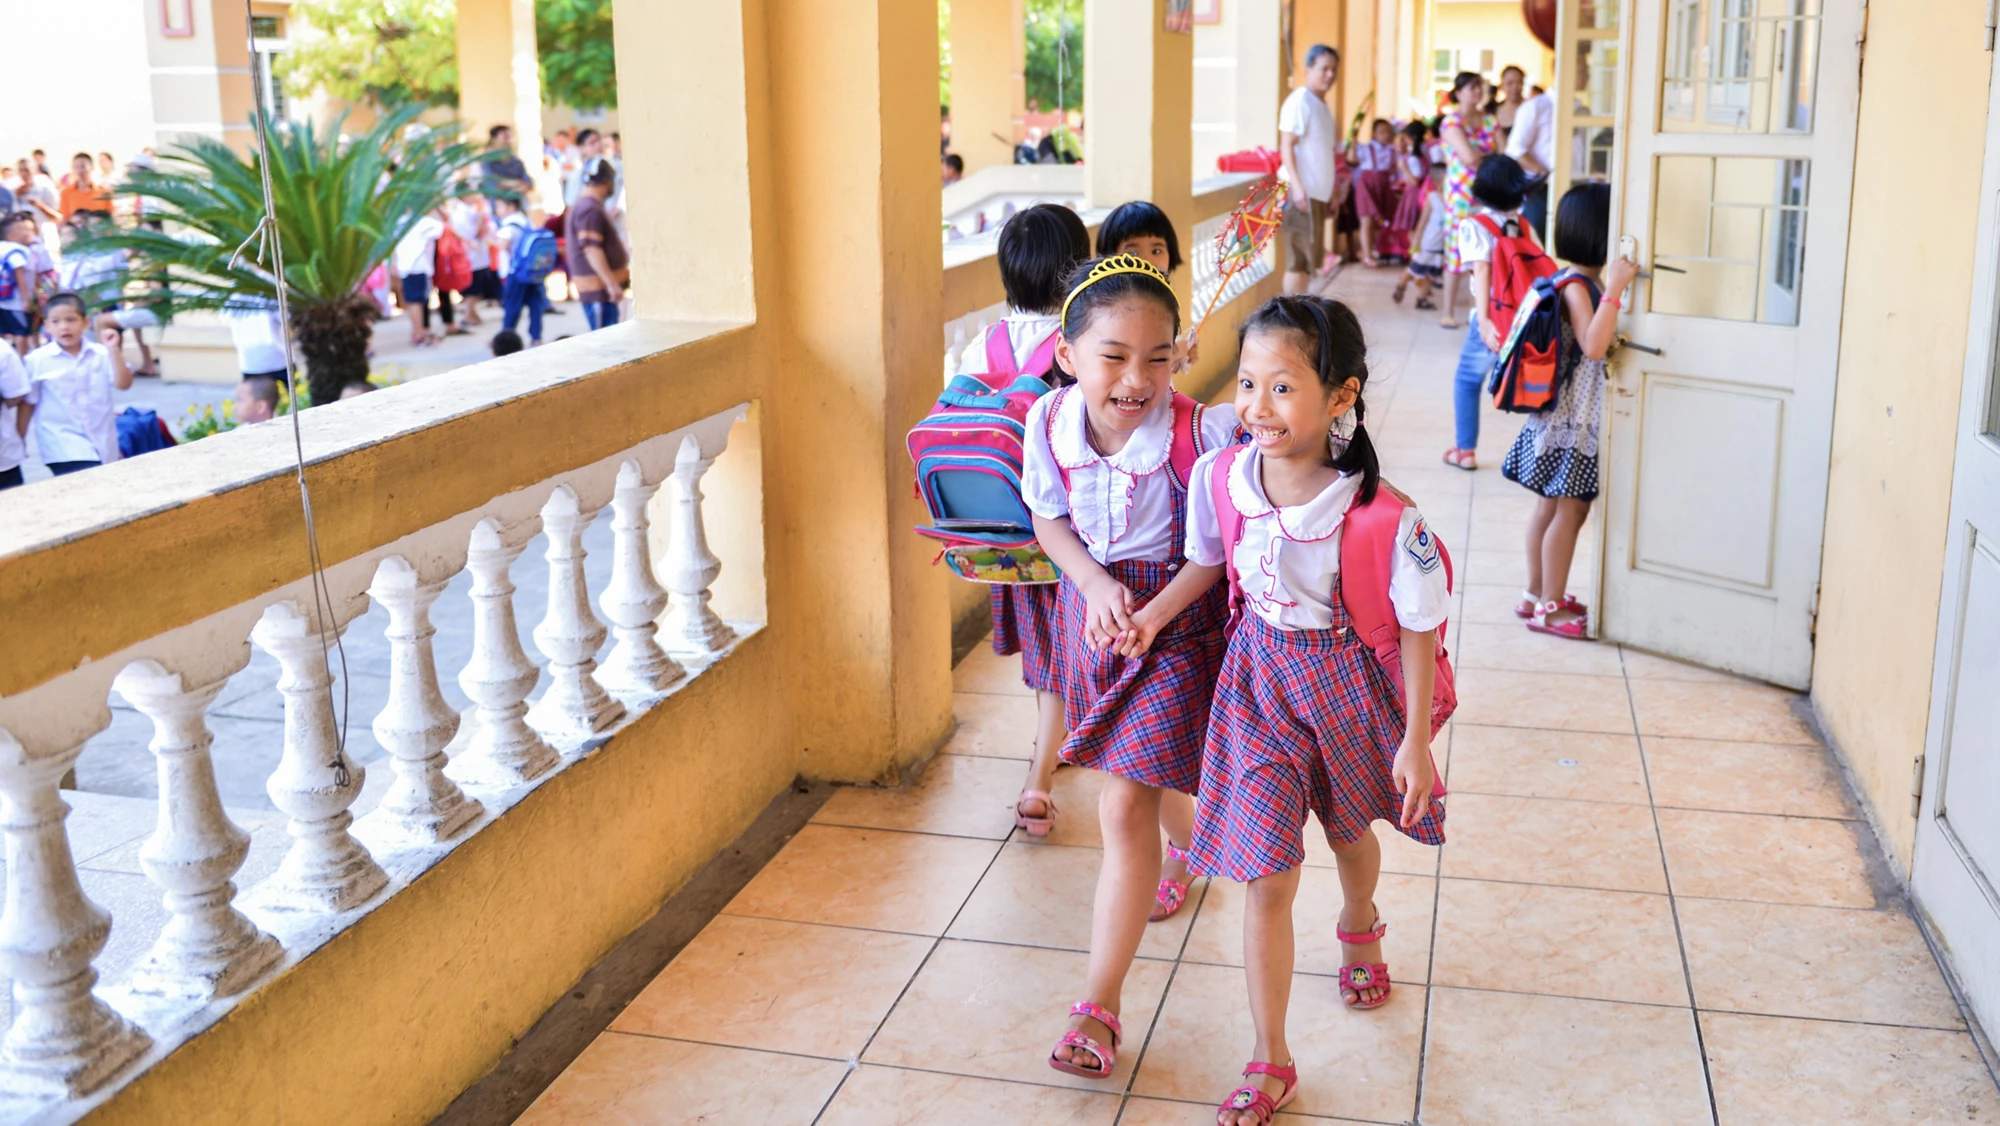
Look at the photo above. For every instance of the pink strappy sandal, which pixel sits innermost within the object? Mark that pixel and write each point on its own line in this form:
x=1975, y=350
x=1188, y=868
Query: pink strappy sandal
x=1576, y=629
x=1172, y=893
x=1259, y=1103
x=1037, y=827
x=1358, y=976
x=1075, y=1038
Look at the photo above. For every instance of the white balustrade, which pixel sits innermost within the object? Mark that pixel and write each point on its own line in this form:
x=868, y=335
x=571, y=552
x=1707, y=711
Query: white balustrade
x=208, y=948
x=64, y=1041
x=637, y=666
x=575, y=707
x=422, y=805
x=501, y=750
x=690, y=626
x=326, y=870
x=961, y=331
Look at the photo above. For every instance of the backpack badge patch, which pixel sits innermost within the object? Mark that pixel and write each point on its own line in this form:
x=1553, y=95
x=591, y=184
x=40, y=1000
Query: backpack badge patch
x=1423, y=548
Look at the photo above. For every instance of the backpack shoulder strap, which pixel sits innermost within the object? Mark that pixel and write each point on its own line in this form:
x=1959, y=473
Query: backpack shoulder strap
x=1367, y=544
x=1186, y=446
x=1228, y=518
x=999, y=350
x=1492, y=228
x=1044, y=359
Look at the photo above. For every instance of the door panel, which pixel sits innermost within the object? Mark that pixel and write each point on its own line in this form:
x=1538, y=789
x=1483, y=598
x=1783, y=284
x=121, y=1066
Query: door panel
x=1711, y=519
x=1968, y=766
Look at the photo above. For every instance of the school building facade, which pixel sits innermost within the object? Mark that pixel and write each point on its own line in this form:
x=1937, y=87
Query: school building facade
x=1802, y=487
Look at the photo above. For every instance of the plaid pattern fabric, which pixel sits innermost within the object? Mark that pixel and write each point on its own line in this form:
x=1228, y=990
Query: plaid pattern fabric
x=1303, y=719
x=1024, y=622
x=1143, y=718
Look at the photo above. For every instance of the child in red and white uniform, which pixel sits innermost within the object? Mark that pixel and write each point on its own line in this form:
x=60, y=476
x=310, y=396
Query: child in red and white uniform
x=1104, y=473
x=1305, y=717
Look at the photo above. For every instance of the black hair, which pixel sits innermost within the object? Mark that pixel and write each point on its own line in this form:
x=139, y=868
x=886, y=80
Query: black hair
x=1378, y=121
x=954, y=162
x=1109, y=291
x=493, y=134
x=1583, y=224
x=1320, y=50
x=1500, y=184
x=1138, y=219
x=599, y=171
x=1418, y=132
x=1329, y=335
x=84, y=156
x=60, y=299
x=1038, y=249
x=1465, y=78
x=506, y=342
x=583, y=135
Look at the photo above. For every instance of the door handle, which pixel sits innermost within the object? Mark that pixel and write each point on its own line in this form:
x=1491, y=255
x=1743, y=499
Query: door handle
x=1667, y=268
x=1622, y=342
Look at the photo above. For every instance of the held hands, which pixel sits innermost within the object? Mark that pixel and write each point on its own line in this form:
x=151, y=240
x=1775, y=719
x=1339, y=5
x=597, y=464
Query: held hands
x=1414, y=774
x=1108, y=613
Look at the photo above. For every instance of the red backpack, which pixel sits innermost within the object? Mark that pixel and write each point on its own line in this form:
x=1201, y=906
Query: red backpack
x=1518, y=261
x=1368, y=544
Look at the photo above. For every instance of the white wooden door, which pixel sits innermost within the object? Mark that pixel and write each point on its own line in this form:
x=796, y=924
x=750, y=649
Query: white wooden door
x=1957, y=867
x=1737, y=139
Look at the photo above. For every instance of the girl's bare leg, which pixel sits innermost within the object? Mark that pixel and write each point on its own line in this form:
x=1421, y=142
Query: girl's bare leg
x=1448, y=310
x=1129, y=814
x=1360, y=870
x=1268, y=955
x=1538, y=530
x=1177, y=818
x=1559, y=549
x=1048, y=747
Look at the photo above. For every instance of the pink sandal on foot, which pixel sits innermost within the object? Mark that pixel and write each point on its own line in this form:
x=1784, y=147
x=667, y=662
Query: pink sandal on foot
x=1357, y=976
x=1530, y=602
x=1172, y=893
x=1260, y=1103
x=1576, y=629
x=1036, y=827
x=1075, y=1038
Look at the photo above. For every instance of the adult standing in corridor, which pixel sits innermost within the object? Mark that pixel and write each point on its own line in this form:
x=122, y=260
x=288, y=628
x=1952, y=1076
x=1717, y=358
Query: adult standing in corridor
x=1307, y=139
x=597, y=257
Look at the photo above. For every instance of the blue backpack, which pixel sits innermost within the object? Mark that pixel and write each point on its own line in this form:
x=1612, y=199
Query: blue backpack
x=534, y=255
x=141, y=432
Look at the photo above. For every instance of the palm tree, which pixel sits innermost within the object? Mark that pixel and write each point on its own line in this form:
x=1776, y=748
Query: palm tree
x=342, y=205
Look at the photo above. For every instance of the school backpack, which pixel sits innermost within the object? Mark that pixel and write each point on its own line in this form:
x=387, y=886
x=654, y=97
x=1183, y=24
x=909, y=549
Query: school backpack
x=1528, y=370
x=968, y=455
x=533, y=256
x=454, y=266
x=141, y=432
x=1368, y=543
x=15, y=260
x=1518, y=260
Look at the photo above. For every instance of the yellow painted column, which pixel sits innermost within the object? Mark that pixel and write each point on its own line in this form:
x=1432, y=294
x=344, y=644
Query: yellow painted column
x=499, y=74
x=1138, y=101
x=988, y=80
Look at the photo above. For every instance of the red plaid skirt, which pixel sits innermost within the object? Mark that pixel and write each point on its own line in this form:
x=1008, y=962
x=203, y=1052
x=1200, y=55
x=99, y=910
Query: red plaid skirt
x=1024, y=622
x=1303, y=720
x=1375, y=195
x=1142, y=718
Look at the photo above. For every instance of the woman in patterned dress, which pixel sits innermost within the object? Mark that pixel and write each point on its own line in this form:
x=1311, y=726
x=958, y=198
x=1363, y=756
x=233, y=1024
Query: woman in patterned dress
x=1468, y=139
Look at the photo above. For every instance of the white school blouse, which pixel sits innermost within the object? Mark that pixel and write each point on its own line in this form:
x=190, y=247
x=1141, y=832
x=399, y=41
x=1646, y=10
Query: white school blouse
x=1288, y=557
x=1121, y=504
x=1025, y=331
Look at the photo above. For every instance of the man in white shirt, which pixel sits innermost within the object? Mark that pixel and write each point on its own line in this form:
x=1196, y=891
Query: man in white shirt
x=1532, y=142
x=1307, y=139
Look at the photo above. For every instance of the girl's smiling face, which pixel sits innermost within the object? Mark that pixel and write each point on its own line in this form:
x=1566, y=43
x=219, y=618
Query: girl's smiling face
x=1281, y=401
x=1123, y=362
x=1152, y=248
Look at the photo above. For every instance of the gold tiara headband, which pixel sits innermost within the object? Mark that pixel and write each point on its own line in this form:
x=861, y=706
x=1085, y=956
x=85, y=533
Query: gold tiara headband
x=1111, y=267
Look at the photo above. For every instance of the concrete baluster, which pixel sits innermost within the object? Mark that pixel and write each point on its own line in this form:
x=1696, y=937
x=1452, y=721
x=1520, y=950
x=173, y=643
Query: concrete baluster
x=327, y=870
x=690, y=626
x=575, y=707
x=637, y=666
x=208, y=949
x=63, y=1042
x=502, y=750
x=422, y=805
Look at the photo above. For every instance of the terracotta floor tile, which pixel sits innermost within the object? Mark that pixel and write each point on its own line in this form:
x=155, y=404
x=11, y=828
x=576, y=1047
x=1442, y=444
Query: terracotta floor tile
x=1548, y=700
x=1640, y=665
x=890, y=1096
x=1769, y=1070
x=1825, y=962
x=1351, y=1064
x=1497, y=567
x=1746, y=777
x=1545, y=841
x=1530, y=763
x=1573, y=942
x=1040, y=895
x=1772, y=859
x=1076, y=792
x=1400, y=854
x=995, y=1011
x=1738, y=710
x=1493, y=532
x=1515, y=647
x=1160, y=1112
x=1405, y=903
x=871, y=878
x=783, y=987
x=1492, y=603
x=982, y=671
x=1514, y=1058
x=994, y=726
x=958, y=795
x=624, y=1080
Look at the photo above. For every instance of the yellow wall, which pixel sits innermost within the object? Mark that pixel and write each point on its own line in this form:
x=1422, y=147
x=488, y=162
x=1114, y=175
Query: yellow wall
x=988, y=80
x=1471, y=26
x=1902, y=348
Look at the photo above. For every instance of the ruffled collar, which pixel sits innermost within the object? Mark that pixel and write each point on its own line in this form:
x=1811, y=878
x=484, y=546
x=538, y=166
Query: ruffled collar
x=1144, y=452
x=1316, y=519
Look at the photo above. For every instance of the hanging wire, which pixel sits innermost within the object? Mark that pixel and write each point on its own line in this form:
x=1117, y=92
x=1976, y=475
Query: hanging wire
x=267, y=238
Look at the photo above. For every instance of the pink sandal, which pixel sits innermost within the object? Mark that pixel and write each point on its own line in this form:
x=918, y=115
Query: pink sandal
x=1172, y=893
x=1260, y=1103
x=1461, y=459
x=1576, y=629
x=1357, y=976
x=1530, y=601
x=1036, y=827
x=1075, y=1038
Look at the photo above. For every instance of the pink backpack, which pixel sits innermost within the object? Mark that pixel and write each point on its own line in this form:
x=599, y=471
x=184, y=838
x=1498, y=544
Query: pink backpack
x=1367, y=555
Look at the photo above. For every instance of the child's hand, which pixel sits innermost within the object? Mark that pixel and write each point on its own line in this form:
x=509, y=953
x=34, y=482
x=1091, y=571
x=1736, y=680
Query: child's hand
x=1489, y=334
x=1619, y=273
x=1414, y=774
x=1187, y=351
x=108, y=337
x=1108, y=606
x=1146, y=625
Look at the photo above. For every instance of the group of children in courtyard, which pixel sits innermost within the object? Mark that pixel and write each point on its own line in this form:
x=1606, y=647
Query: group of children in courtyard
x=1249, y=619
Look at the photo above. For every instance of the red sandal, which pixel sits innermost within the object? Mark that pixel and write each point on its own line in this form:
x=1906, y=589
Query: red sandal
x=1172, y=893
x=1075, y=1038
x=1260, y=1103
x=1357, y=976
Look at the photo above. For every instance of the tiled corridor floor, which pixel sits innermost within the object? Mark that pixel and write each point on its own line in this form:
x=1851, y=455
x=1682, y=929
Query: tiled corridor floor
x=1657, y=905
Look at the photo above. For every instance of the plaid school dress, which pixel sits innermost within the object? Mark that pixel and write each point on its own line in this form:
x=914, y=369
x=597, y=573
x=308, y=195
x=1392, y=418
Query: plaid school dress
x=1302, y=720
x=1143, y=718
x=1024, y=622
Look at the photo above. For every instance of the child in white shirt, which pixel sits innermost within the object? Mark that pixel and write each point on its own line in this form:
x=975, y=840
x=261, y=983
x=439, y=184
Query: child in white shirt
x=415, y=261
x=72, y=380
x=17, y=280
x=1498, y=189
x=15, y=411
